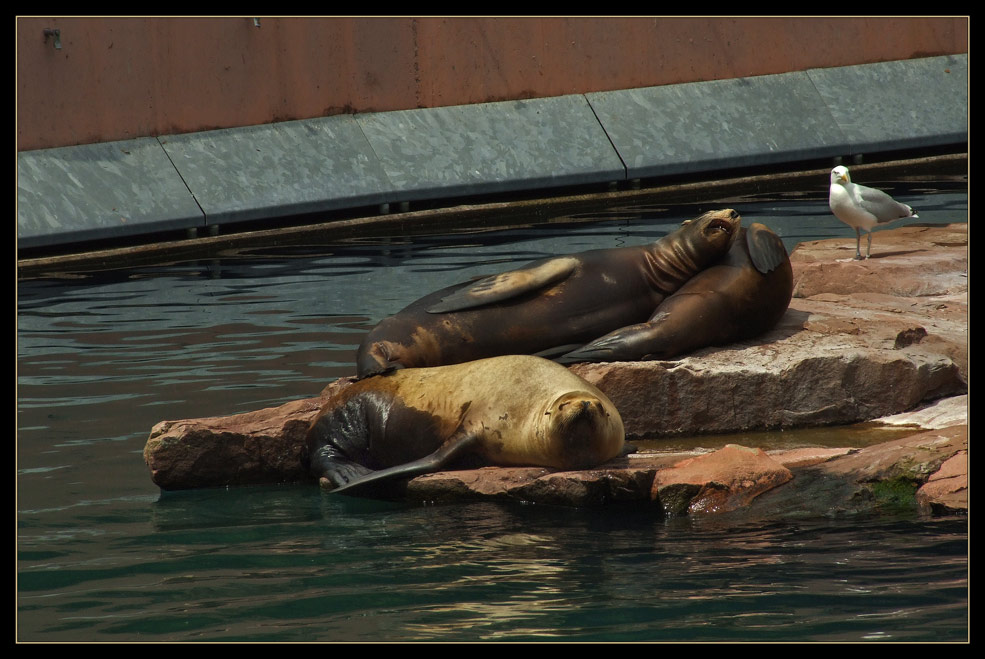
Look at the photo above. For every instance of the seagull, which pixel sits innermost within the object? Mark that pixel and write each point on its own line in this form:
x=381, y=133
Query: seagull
x=862, y=208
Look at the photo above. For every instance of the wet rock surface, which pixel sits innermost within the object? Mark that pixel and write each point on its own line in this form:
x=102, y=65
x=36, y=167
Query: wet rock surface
x=928, y=469
x=902, y=474
x=861, y=340
x=723, y=480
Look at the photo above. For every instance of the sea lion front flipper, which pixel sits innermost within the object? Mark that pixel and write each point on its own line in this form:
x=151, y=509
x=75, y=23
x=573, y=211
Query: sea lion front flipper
x=374, y=481
x=682, y=323
x=558, y=351
x=766, y=249
x=507, y=285
x=630, y=343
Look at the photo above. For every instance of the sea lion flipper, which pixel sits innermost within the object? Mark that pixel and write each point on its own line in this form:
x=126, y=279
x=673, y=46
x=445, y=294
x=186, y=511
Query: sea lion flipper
x=367, y=485
x=629, y=343
x=766, y=249
x=558, y=351
x=507, y=285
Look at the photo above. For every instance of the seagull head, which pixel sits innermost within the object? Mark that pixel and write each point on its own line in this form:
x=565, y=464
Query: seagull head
x=840, y=175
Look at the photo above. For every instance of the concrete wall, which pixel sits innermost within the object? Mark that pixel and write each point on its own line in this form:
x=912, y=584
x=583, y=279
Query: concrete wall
x=215, y=177
x=124, y=78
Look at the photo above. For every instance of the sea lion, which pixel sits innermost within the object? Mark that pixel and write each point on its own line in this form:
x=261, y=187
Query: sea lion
x=508, y=410
x=741, y=297
x=549, y=306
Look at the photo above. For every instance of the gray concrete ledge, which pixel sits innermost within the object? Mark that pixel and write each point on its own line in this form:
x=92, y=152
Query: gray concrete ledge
x=73, y=194
x=114, y=189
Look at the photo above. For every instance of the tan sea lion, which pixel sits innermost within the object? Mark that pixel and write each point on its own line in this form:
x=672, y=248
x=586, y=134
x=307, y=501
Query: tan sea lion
x=550, y=305
x=508, y=410
x=741, y=297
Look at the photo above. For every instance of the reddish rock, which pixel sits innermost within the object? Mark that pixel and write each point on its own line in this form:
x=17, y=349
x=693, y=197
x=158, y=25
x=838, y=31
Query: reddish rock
x=947, y=489
x=482, y=483
x=897, y=474
x=807, y=457
x=253, y=448
x=614, y=482
x=919, y=274
x=790, y=382
x=804, y=481
x=910, y=261
x=720, y=481
x=914, y=457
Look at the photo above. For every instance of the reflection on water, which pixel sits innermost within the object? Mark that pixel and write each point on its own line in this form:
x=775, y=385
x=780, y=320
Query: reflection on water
x=104, y=556
x=362, y=571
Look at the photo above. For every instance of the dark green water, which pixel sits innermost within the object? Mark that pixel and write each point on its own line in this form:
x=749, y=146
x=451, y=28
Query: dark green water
x=104, y=556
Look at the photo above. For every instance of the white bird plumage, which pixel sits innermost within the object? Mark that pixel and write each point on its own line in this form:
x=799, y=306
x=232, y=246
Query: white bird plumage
x=862, y=208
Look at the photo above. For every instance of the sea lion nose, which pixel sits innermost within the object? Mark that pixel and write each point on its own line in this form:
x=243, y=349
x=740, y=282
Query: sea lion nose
x=733, y=215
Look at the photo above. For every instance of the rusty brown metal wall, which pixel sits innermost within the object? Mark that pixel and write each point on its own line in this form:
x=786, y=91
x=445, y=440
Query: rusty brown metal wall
x=120, y=78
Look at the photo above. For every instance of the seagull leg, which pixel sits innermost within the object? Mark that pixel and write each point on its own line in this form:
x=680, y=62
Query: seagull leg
x=868, y=247
x=858, y=245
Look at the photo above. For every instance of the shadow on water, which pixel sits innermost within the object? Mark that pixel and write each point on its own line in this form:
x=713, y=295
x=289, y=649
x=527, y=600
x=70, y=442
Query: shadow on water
x=103, y=555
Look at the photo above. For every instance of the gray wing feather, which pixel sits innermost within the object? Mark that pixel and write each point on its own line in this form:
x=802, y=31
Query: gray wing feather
x=880, y=204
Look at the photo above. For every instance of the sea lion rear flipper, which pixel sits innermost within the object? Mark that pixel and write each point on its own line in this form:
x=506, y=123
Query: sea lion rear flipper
x=374, y=481
x=507, y=285
x=765, y=248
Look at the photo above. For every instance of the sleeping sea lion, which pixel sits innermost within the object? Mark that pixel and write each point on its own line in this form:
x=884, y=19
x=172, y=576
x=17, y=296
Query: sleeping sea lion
x=509, y=410
x=741, y=297
x=554, y=304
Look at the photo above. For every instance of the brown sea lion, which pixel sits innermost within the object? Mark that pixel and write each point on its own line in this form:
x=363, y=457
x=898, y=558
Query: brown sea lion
x=553, y=304
x=741, y=297
x=508, y=410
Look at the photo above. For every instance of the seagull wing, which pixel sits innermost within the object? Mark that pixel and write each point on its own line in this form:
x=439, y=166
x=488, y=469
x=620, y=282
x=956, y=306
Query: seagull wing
x=883, y=207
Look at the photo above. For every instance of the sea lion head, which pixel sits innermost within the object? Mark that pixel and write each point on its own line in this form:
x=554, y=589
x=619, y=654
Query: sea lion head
x=581, y=430
x=421, y=349
x=713, y=232
x=700, y=242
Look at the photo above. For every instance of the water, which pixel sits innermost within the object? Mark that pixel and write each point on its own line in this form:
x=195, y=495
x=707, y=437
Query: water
x=104, y=556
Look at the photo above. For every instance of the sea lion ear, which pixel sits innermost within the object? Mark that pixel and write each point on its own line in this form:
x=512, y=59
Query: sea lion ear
x=766, y=250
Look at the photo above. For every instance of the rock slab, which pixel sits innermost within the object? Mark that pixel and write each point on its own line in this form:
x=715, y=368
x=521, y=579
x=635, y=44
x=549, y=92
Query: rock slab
x=927, y=469
x=721, y=481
